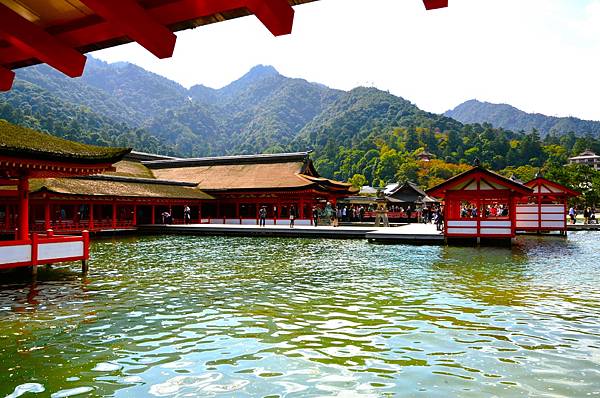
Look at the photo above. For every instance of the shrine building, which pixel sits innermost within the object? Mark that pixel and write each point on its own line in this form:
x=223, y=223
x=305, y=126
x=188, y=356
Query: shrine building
x=480, y=204
x=546, y=209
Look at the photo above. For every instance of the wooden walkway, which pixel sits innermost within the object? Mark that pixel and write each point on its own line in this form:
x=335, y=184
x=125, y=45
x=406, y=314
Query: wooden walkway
x=583, y=227
x=408, y=233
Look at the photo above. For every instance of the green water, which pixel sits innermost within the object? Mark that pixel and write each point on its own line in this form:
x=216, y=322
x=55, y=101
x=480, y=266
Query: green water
x=246, y=317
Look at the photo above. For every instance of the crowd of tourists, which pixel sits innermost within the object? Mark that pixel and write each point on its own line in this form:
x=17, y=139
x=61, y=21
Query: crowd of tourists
x=495, y=210
x=435, y=215
x=588, y=213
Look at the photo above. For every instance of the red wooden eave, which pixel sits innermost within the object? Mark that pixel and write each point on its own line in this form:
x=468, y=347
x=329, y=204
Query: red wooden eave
x=434, y=4
x=539, y=181
x=120, y=21
x=441, y=189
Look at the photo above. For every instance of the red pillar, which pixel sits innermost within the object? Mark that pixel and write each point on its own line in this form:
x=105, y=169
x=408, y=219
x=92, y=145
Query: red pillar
x=91, y=216
x=47, y=224
x=114, y=216
x=7, y=218
x=134, y=215
x=301, y=210
x=23, y=208
x=153, y=215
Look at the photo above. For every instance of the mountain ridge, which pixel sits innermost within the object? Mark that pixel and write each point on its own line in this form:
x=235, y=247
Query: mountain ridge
x=511, y=118
x=364, y=132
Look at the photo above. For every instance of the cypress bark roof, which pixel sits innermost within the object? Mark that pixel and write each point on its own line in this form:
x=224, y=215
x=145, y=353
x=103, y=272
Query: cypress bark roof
x=409, y=192
x=248, y=172
x=128, y=168
x=22, y=142
x=117, y=186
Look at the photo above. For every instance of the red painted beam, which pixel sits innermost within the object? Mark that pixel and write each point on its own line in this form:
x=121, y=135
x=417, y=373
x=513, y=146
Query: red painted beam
x=167, y=14
x=276, y=15
x=133, y=20
x=433, y=4
x=33, y=40
x=6, y=79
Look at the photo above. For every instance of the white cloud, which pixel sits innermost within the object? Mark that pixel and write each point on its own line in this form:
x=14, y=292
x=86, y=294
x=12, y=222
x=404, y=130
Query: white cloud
x=539, y=55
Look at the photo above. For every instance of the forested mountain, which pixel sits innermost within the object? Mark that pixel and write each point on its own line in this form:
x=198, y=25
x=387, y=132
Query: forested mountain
x=365, y=135
x=511, y=118
x=113, y=104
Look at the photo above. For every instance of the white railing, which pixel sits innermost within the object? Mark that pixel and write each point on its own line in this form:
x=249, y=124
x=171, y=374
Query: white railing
x=44, y=250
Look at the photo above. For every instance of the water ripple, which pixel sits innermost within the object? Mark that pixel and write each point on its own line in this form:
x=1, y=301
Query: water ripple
x=188, y=316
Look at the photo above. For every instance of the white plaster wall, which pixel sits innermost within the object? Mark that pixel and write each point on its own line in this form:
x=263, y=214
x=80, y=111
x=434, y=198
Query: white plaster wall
x=47, y=251
x=15, y=254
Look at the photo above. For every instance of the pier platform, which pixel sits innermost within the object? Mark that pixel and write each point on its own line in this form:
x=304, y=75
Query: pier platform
x=583, y=227
x=407, y=233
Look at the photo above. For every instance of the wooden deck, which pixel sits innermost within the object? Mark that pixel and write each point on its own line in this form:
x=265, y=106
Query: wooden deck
x=407, y=233
x=583, y=227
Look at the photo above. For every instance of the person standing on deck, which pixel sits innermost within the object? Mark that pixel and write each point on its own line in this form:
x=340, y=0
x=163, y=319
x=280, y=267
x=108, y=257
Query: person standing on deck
x=315, y=215
x=572, y=214
x=262, y=216
x=292, y=215
x=439, y=219
x=187, y=215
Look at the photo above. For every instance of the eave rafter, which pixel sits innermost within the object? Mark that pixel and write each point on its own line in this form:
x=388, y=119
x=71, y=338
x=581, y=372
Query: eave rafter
x=434, y=4
x=6, y=79
x=133, y=20
x=276, y=15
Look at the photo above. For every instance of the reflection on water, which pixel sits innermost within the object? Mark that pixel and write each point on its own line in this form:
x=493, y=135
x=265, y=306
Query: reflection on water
x=191, y=316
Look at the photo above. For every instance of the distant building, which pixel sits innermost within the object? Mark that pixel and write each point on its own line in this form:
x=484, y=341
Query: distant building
x=425, y=156
x=586, y=157
x=366, y=190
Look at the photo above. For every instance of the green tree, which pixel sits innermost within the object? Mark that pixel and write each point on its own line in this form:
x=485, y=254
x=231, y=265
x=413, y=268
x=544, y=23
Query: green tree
x=358, y=180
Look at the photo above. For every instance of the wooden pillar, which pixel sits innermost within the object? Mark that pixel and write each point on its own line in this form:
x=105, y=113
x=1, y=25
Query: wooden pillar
x=134, y=215
x=114, y=215
x=47, y=224
x=8, y=215
x=512, y=209
x=91, y=217
x=301, y=210
x=34, y=253
x=23, y=208
x=538, y=197
x=153, y=215
x=86, y=252
x=479, y=209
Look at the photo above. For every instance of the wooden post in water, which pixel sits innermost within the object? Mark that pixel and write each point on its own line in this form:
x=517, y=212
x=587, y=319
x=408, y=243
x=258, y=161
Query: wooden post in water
x=86, y=252
x=34, y=253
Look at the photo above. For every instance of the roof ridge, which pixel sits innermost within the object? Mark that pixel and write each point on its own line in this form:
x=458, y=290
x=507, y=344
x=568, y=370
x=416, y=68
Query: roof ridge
x=228, y=160
x=104, y=177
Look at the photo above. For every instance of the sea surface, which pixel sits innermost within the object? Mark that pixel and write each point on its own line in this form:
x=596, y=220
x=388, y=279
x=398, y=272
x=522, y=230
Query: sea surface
x=265, y=317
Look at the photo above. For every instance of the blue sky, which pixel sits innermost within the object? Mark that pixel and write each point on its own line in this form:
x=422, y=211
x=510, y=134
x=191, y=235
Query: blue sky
x=539, y=55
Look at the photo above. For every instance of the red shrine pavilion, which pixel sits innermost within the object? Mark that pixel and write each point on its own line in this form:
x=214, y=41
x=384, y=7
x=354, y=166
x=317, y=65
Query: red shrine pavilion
x=546, y=209
x=24, y=155
x=140, y=188
x=480, y=204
